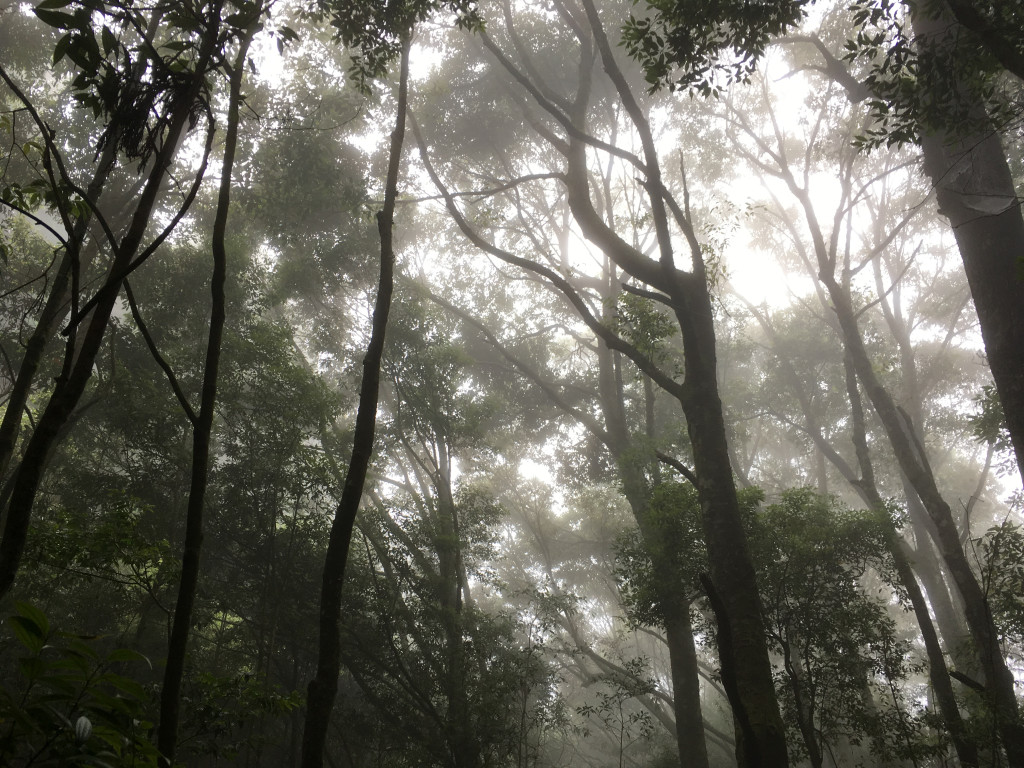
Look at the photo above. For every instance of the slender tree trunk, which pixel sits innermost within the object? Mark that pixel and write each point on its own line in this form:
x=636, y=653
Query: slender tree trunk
x=81, y=350
x=202, y=433
x=463, y=743
x=804, y=710
x=938, y=672
x=914, y=465
x=999, y=683
x=324, y=685
x=866, y=488
x=46, y=324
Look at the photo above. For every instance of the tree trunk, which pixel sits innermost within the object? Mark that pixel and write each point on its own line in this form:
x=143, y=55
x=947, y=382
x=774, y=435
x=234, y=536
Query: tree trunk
x=462, y=741
x=975, y=192
x=81, y=352
x=46, y=324
x=804, y=709
x=938, y=672
x=324, y=685
x=743, y=652
x=914, y=464
x=675, y=608
x=202, y=432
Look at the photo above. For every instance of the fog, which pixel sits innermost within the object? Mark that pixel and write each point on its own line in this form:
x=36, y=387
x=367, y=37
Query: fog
x=518, y=383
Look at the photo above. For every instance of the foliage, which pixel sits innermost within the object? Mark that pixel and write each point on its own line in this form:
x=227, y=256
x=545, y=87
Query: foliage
x=825, y=581
x=398, y=652
x=921, y=83
x=462, y=426
x=373, y=31
x=705, y=45
x=989, y=424
x=617, y=712
x=132, y=82
x=916, y=83
x=639, y=320
x=438, y=392
x=674, y=520
x=227, y=716
x=816, y=560
x=73, y=706
x=1002, y=550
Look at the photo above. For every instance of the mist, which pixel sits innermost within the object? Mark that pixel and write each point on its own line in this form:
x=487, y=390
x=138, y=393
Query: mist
x=519, y=383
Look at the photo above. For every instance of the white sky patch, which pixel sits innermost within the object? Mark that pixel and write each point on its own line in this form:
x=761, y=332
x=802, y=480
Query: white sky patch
x=534, y=470
x=758, y=278
x=269, y=62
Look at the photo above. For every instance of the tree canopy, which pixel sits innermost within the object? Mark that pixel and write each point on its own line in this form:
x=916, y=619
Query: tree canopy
x=534, y=383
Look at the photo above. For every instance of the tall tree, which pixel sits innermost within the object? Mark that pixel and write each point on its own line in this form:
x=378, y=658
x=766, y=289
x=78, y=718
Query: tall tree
x=323, y=687
x=149, y=127
x=202, y=421
x=744, y=658
x=943, y=107
x=833, y=266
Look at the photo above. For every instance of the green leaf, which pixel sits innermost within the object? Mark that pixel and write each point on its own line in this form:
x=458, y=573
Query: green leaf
x=176, y=45
x=127, y=686
x=78, y=52
x=32, y=620
x=31, y=667
x=57, y=19
x=77, y=648
x=109, y=40
x=60, y=50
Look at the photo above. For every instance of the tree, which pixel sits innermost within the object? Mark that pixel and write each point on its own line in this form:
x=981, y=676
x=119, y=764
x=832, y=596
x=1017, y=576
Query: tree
x=380, y=32
x=149, y=126
x=989, y=238
x=842, y=663
x=202, y=421
x=932, y=86
x=532, y=407
x=568, y=129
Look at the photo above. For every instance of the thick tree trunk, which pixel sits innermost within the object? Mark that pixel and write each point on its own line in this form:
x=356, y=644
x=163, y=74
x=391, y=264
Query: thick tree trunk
x=324, y=685
x=975, y=192
x=971, y=171
x=675, y=608
x=743, y=652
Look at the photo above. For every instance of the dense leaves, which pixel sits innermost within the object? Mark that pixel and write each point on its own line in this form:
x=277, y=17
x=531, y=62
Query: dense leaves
x=527, y=577
x=73, y=703
x=706, y=45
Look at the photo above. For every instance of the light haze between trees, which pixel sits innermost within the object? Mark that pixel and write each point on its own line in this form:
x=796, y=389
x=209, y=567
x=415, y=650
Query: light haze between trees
x=533, y=383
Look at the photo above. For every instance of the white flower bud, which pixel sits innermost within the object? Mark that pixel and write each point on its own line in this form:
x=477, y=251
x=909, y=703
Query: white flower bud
x=83, y=730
